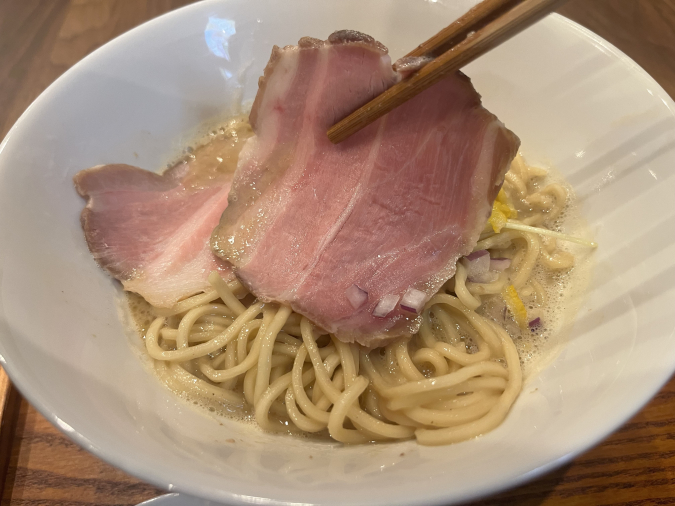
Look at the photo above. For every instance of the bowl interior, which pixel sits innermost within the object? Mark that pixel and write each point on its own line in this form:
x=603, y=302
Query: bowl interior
x=577, y=104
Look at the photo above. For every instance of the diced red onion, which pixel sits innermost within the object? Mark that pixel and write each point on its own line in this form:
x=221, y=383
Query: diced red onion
x=535, y=323
x=385, y=306
x=477, y=254
x=413, y=300
x=477, y=263
x=356, y=296
x=499, y=264
x=487, y=277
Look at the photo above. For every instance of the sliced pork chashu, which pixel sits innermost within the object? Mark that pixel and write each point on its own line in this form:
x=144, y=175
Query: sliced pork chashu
x=152, y=231
x=343, y=232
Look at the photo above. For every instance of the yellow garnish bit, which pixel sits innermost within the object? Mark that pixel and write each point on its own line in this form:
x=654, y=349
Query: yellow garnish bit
x=497, y=219
x=501, y=211
x=503, y=199
x=515, y=305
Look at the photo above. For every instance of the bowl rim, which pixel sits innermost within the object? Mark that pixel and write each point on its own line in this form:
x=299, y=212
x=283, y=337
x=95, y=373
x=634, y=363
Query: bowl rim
x=127, y=463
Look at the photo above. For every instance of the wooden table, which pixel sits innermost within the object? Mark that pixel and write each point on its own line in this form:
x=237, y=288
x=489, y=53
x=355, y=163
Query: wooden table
x=40, y=39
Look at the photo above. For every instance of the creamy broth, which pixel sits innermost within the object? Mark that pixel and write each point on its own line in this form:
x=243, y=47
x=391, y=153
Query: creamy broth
x=552, y=295
x=215, y=153
x=563, y=291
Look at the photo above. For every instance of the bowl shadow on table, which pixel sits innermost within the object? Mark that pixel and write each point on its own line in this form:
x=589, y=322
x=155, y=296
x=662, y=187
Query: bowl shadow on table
x=629, y=467
x=530, y=494
x=44, y=465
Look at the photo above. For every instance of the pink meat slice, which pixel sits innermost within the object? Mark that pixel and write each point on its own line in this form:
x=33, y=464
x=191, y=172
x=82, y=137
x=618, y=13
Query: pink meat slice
x=152, y=231
x=389, y=210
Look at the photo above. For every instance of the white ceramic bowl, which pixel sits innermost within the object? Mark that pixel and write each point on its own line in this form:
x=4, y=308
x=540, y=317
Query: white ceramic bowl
x=575, y=101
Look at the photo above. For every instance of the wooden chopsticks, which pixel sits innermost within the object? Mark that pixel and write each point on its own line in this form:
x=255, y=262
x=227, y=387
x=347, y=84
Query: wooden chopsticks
x=476, y=18
x=484, y=27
